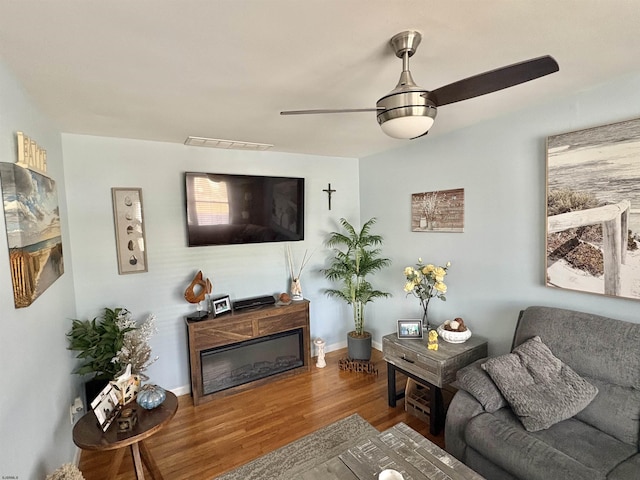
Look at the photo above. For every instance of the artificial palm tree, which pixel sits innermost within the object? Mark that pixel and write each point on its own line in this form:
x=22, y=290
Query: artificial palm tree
x=356, y=256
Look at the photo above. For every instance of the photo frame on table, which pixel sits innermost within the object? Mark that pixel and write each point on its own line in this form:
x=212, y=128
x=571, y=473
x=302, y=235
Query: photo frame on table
x=221, y=305
x=106, y=406
x=410, y=328
x=129, y=224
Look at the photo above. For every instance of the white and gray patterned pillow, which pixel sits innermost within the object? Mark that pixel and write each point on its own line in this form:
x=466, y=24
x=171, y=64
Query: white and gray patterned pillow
x=540, y=389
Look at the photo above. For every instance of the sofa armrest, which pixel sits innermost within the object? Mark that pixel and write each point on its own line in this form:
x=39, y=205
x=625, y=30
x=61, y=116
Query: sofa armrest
x=463, y=407
x=475, y=380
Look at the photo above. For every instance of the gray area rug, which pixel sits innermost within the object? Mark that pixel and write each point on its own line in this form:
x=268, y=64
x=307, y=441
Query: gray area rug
x=301, y=455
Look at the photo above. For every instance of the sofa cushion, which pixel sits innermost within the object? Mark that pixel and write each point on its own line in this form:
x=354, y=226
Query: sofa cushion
x=477, y=382
x=485, y=467
x=522, y=454
x=615, y=410
x=627, y=470
x=540, y=388
x=578, y=440
x=594, y=346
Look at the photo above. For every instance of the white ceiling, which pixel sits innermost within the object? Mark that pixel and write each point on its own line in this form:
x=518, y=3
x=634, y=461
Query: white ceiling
x=167, y=69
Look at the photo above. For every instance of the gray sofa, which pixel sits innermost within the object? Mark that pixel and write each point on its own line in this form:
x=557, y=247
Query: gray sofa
x=601, y=441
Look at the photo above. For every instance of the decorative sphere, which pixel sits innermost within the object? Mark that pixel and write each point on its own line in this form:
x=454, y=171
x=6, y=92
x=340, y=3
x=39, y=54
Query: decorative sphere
x=285, y=298
x=150, y=396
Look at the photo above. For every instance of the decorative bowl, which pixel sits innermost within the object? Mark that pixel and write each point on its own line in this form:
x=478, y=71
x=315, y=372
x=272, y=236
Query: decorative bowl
x=453, y=337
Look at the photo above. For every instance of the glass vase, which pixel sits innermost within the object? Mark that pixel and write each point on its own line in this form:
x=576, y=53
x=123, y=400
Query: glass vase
x=426, y=326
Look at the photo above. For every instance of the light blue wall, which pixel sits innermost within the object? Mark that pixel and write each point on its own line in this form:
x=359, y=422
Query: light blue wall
x=37, y=388
x=498, y=262
x=96, y=164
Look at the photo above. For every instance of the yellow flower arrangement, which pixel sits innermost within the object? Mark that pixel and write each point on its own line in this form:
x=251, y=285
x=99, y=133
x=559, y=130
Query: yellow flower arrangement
x=425, y=282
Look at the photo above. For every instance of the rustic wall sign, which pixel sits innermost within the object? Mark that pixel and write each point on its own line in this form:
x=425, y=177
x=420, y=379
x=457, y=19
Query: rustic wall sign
x=439, y=211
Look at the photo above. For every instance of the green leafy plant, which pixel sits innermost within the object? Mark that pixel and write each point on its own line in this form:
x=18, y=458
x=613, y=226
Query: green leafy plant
x=98, y=343
x=356, y=255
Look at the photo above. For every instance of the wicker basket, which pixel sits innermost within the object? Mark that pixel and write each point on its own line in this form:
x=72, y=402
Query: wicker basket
x=453, y=337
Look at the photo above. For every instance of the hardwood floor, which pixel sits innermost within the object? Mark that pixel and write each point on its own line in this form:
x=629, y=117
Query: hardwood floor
x=205, y=441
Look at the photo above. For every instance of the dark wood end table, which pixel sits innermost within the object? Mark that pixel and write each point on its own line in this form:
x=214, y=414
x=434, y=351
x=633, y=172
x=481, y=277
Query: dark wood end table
x=88, y=435
x=433, y=368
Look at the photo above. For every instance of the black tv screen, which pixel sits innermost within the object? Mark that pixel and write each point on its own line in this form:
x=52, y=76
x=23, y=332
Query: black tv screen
x=224, y=209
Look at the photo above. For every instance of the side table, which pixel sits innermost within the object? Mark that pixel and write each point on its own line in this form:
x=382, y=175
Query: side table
x=434, y=368
x=88, y=435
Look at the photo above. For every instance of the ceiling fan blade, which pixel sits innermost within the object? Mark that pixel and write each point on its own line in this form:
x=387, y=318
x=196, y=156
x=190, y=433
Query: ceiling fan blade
x=342, y=110
x=494, y=80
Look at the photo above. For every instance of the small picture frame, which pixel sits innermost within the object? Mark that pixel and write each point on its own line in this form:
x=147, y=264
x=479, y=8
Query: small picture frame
x=131, y=245
x=220, y=305
x=409, y=329
x=106, y=406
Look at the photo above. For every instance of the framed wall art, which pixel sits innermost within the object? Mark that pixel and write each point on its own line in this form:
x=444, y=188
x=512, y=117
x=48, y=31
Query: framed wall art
x=439, y=211
x=593, y=210
x=32, y=220
x=129, y=224
x=409, y=329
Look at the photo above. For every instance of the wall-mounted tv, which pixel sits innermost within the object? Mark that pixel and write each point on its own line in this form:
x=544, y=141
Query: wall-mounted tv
x=224, y=209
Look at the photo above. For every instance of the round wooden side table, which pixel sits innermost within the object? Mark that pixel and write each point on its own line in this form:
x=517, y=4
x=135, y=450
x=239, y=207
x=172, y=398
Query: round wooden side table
x=88, y=435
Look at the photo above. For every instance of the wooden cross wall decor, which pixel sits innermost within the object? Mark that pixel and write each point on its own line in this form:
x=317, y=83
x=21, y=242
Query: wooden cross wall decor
x=329, y=192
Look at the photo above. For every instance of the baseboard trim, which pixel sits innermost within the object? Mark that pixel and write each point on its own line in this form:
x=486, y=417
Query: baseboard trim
x=183, y=390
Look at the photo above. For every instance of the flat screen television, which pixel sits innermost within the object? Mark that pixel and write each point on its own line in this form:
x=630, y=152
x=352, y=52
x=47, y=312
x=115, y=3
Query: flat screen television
x=225, y=209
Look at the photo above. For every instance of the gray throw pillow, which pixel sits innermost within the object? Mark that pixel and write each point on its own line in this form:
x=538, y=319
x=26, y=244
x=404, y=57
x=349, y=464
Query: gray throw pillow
x=478, y=383
x=539, y=387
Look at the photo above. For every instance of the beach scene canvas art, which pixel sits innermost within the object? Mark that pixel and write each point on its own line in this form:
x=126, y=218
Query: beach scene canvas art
x=32, y=221
x=593, y=210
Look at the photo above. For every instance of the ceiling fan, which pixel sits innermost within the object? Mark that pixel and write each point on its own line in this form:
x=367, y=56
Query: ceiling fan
x=408, y=111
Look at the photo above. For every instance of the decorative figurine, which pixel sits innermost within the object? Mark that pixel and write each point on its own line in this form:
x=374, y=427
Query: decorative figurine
x=433, y=340
x=320, y=344
x=151, y=396
x=196, y=292
x=126, y=385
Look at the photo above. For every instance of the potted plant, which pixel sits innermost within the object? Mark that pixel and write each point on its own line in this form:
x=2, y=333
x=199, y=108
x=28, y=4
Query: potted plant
x=356, y=255
x=108, y=345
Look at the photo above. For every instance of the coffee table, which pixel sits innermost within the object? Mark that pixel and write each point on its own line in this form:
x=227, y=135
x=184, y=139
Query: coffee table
x=399, y=448
x=88, y=435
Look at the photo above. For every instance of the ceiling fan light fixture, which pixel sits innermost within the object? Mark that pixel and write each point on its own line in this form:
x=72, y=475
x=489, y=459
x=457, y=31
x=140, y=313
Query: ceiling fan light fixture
x=407, y=127
x=409, y=111
x=406, y=112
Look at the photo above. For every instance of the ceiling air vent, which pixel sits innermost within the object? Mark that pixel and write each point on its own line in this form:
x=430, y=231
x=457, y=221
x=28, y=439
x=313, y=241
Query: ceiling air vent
x=229, y=144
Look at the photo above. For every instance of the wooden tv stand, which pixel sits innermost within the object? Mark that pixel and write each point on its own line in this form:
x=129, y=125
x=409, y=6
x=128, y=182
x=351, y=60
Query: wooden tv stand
x=240, y=326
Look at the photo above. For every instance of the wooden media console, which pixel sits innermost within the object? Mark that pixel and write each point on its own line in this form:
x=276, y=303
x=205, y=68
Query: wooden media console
x=246, y=329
